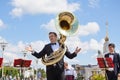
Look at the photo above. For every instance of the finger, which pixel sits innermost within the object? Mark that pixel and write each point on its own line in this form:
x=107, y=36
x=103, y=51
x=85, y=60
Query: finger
x=79, y=48
x=76, y=47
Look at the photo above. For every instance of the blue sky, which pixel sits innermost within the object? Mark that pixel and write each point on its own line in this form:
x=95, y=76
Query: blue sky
x=24, y=22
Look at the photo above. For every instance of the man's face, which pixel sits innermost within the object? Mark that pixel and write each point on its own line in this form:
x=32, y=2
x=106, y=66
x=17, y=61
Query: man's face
x=111, y=49
x=52, y=38
x=65, y=65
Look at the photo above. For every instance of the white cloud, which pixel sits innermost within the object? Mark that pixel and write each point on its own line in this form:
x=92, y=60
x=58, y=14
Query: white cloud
x=90, y=28
x=41, y=6
x=9, y=57
x=13, y=51
x=2, y=24
x=17, y=12
x=18, y=48
x=92, y=44
x=95, y=45
x=93, y=3
x=2, y=39
x=38, y=45
x=73, y=42
x=50, y=26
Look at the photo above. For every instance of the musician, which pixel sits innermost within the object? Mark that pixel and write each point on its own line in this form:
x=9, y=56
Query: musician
x=113, y=73
x=70, y=73
x=55, y=71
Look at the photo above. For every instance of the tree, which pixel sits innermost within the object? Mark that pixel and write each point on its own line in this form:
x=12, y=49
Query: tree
x=80, y=77
x=9, y=71
x=43, y=73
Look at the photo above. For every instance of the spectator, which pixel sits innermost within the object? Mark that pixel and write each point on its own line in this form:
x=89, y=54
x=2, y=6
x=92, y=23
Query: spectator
x=70, y=73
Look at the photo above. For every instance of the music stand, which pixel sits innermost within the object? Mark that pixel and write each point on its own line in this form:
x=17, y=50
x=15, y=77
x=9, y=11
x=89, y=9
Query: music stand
x=17, y=62
x=27, y=63
x=105, y=63
x=1, y=61
x=109, y=62
x=101, y=62
x=22, y=63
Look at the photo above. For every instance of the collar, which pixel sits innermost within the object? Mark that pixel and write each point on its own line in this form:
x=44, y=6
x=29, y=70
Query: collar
x=53, y=43
x=111, y=53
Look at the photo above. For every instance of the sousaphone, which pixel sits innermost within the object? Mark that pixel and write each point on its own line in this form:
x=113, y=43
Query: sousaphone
x=67, y=25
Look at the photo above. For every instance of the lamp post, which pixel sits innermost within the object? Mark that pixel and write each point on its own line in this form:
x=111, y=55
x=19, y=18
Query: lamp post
x=36, y=69
x=24, y=55
x=3, y=45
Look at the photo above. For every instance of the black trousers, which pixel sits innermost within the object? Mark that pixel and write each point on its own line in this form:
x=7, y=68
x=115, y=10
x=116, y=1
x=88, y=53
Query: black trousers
x=55, y=74
x=111, y=75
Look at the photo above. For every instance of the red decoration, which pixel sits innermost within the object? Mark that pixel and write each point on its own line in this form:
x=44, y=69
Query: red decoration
x=1, y=61
x=22, y=63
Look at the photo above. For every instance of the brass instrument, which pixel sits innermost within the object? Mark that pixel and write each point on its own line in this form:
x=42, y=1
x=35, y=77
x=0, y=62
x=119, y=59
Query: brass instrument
x=66, y=24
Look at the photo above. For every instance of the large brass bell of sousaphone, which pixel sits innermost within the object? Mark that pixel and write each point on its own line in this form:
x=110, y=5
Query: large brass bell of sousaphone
x=66, y=23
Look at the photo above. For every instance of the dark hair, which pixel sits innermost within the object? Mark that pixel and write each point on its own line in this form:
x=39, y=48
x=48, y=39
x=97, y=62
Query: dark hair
x=53, y=33
x=112, y=45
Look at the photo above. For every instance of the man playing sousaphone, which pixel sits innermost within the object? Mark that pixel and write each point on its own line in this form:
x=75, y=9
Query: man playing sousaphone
x=55, y=51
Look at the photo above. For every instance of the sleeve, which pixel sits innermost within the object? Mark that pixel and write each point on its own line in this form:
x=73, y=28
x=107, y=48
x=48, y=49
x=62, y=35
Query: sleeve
x=39, y=54
x=70, y=55
x=119, y=63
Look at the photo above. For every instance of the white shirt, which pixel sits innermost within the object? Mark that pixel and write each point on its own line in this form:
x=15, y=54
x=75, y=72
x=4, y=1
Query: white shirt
x=71, y=72
x=55, y=47
x=111, y=56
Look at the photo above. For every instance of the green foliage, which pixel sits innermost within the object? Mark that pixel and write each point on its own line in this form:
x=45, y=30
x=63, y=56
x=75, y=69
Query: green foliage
x=97, y=77
x=0, y=73
x=80, y=77
x=43, y=73
x=9, y=71
x=15, y=72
